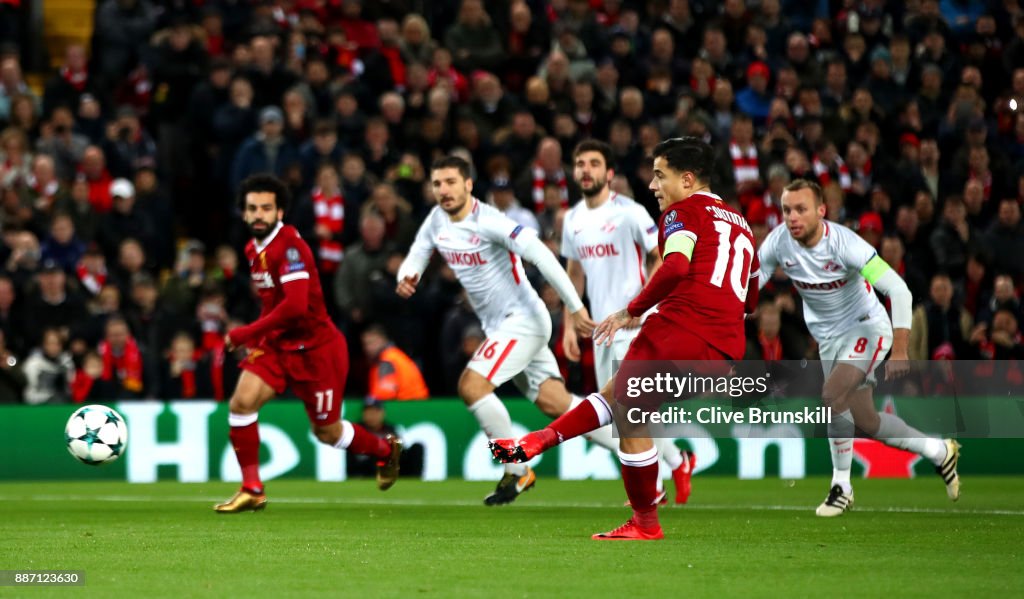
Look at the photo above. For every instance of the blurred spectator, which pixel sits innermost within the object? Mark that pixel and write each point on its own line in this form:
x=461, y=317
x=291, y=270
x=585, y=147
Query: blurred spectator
x=91, y=270
x=128, y=145
x=399, y=227
x=894, y=254
x=125, y=220
x=265, y=152
x=364, y=260
x=53, y=305
x=270, y=79
x=185, y=373
x=953, y=238
x=1000, y=340
x=76, y=204
x=547, y=168
x=123, y=361
x=89, y=386
x=1005, y=238
x=154, y=203
x=12, y=378
x=940, y=326
x=503, y=198
x=11, y=321
x=131, y=261
x=71, y=81
x=58, y=139
x=181, y=290
x=393, y=374
x=93, y=169
x=49, y=371
x=1004, y=297
x=122, y=29
x=473, y=40
x=62, y=245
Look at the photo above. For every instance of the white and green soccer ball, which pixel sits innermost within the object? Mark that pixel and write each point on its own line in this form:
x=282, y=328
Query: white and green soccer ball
x=96, y=435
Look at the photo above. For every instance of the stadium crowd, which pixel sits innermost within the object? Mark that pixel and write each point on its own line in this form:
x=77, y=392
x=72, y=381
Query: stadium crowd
x=121, y=267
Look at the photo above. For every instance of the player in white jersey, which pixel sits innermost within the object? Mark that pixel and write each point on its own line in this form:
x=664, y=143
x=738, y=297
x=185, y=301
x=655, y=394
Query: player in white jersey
x=484, y=248
x=834, y=271
x=611, y=244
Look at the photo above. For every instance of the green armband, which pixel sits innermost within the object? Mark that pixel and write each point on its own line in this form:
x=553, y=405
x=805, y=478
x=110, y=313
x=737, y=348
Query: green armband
x=874, y=269
x=679, y=243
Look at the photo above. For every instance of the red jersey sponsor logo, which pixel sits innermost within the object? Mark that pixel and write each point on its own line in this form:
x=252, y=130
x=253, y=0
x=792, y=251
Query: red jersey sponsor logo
x=464, y=258
x=262, y=280
x=598, y=251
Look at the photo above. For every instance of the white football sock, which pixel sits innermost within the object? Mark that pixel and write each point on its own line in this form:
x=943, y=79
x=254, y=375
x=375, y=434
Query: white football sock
x=670, y=452
x=840, y=445
x=495, y=422
x=893, y=431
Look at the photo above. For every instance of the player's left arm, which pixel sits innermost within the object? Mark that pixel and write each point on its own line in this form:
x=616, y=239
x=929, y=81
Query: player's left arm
x=882, y=277
x=753, y=287
x=293, y=276
x=645, y=235
x=525, y=242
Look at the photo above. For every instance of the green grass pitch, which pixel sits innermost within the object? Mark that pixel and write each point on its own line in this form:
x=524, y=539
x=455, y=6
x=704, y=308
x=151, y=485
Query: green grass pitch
x=736, y=538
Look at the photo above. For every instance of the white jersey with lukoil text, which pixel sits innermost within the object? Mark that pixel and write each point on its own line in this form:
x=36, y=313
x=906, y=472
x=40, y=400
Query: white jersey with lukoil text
x=483, y=250
x=828, y=277
x=611, y=242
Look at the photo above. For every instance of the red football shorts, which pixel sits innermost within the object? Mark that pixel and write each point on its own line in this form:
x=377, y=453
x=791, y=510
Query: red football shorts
x=316, y=376
x=657, y=345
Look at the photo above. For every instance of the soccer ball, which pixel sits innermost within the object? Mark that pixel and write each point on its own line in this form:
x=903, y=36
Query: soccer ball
x=96, y=435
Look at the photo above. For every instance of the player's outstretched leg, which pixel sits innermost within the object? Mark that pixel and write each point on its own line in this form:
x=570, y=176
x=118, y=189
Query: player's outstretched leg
x=591, y=414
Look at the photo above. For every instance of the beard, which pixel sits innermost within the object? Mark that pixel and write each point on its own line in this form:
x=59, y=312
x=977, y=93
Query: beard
x=596, y=187
x=261, y=234
x=455, y=208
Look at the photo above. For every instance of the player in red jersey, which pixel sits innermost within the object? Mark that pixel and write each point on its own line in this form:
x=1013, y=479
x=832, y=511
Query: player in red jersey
x=702, y=292
x=292, y=344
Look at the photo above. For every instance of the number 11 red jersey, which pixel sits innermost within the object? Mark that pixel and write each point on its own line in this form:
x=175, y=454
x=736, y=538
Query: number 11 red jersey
x=708, y=301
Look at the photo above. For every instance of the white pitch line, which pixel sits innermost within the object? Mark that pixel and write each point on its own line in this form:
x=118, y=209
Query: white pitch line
x=527, y=503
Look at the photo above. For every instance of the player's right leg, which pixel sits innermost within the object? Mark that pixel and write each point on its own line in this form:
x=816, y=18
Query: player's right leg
x=841, y=380
x=679, y=463
x=505, y=353
x=250, y=394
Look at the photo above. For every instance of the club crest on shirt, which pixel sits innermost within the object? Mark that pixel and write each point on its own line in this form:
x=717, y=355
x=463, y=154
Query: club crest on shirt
x=474, y=239
x=831, y=266
x=608, y=227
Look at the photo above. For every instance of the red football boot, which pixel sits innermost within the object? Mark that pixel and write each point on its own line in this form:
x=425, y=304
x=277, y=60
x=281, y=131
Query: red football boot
x=681, y=477
x=630, y=531
x=525, y=448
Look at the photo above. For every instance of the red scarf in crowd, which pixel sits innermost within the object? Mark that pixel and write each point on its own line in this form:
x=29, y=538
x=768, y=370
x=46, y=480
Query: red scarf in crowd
x=76, y=79
x=745, y=169
x=540, y=180
x=824, y=172
x=127, y=367
x=771, y=349
x=330, y=212
x=92, y=281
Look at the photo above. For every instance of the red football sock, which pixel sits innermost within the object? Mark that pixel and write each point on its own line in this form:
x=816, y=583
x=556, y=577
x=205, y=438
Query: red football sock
x=365, y=442
x=640, y=477
x=582, y=419
x=246, y=441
